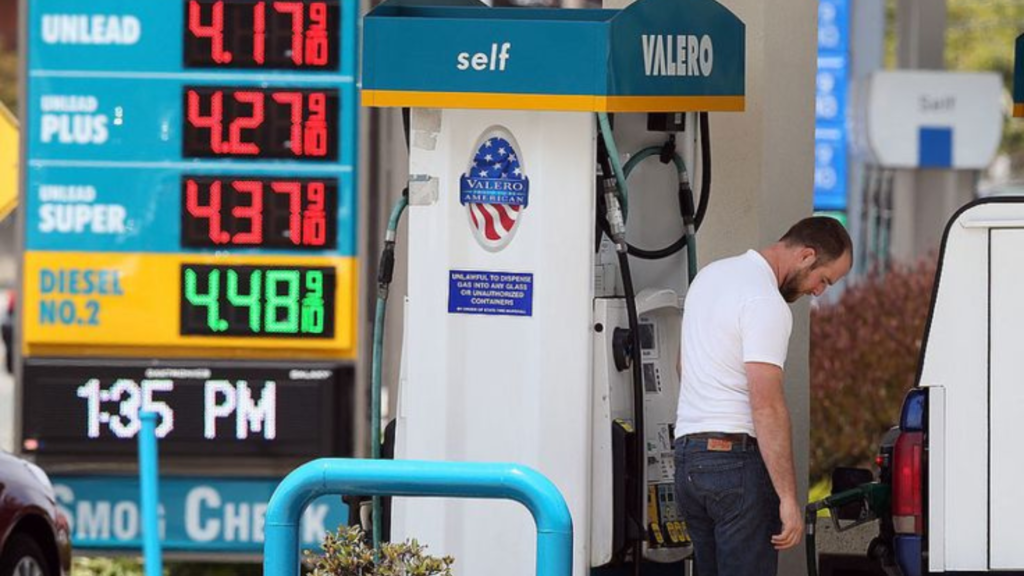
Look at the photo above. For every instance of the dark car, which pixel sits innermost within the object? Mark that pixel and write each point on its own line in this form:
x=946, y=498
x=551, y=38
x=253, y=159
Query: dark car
x=35, y=538
x=7, y=331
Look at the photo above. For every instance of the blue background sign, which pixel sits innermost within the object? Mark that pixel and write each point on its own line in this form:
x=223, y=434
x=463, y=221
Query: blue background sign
x=830, y=134
x=135, y=209
x=104, y=108
x=137, y=37
x=490, y=293
x=196, y=514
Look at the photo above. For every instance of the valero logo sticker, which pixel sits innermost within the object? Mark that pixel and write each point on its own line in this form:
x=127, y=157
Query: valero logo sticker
x=495, y=189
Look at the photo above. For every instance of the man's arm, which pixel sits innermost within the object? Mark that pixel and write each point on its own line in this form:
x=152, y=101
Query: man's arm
x=775, y=440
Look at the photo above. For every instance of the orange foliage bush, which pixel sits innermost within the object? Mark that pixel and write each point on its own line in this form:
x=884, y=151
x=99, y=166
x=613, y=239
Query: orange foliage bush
x=864, y=354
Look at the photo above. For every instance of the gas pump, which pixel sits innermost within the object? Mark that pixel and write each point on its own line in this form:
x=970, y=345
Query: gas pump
x=530, y=334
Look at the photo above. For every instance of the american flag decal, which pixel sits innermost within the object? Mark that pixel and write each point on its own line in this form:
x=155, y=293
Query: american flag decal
x=495, y=190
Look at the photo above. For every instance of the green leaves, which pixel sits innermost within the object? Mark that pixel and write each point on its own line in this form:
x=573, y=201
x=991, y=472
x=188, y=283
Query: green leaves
x=345, y=553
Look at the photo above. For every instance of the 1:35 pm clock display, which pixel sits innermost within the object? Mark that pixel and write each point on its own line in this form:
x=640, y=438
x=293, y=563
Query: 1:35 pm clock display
x=203, y=409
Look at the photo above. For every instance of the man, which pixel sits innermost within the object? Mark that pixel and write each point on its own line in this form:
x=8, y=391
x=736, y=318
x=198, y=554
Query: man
x=735, y=481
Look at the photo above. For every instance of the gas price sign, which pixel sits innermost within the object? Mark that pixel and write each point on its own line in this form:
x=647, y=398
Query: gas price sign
x=190, y=179
x=202, y=409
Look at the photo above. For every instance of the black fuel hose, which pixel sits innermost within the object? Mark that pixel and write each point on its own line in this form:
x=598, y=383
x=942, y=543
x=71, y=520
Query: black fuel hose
x=811, y=547
x=639, y=442
x=686, y=200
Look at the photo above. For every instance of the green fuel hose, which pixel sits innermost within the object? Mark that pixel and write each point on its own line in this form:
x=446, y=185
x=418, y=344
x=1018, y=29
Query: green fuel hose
x=385, y=274
x=687, y=206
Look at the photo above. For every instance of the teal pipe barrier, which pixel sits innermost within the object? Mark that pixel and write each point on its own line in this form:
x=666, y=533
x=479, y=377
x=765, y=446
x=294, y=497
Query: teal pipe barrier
x=149, y=486
x=417, y=478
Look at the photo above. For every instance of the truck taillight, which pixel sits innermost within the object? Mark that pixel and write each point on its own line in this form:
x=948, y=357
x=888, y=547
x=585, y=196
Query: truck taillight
x=907, y=480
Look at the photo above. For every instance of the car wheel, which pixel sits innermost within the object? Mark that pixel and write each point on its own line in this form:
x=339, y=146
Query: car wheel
x=23, y=557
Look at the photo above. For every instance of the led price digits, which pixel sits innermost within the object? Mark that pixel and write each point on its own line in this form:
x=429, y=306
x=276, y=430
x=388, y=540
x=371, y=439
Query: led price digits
x=257, y=301
x=259, y=212
x=260, y=123
x=262, y=34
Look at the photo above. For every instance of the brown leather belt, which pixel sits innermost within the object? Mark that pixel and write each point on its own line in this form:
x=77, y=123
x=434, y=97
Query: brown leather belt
x=739, y=438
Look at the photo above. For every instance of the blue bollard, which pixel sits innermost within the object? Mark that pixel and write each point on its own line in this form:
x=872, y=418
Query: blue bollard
x=149, y=478
x=417, y=478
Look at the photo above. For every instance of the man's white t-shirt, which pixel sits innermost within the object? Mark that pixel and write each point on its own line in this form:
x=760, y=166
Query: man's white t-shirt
x=734, y=314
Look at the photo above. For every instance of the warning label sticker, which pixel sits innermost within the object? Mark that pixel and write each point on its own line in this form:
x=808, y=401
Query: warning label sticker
x=491, y=293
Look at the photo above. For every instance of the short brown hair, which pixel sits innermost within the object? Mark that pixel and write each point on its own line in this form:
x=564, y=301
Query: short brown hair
x=825, y=235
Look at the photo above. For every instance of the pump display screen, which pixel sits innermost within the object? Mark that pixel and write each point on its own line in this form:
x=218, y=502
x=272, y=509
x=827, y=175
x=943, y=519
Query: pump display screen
x=262, y=34
x=648, y=337
x=202, y=410
x=276, y=301
x=259, y=212
x=287, y=123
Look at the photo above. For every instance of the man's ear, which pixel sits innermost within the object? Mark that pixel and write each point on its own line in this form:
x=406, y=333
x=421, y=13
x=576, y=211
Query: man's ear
x=807, y=256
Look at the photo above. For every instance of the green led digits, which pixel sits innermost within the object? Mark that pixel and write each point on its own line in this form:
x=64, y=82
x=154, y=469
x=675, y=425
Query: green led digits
x=288, y=301
x=275, y=301
x=250, y=300
x=210, y=299
x=313, y=303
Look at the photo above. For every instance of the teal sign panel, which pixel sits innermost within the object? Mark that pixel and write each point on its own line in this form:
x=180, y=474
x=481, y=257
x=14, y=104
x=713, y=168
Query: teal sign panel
x=653, y=48
x=125, y=99
x=196, y=514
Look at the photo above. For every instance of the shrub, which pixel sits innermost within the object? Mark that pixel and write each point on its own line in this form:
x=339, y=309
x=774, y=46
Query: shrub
x=345, y=553
x=102, y=566
x=864, y=354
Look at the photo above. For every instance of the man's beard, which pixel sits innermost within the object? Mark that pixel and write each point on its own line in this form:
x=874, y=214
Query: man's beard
x=790, y=288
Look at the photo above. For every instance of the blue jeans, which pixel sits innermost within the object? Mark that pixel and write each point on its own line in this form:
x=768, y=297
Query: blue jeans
x=730, y=508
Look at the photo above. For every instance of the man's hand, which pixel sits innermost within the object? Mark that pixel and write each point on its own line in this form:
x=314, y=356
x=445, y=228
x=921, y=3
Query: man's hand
x=792, y=526
x=774, y=439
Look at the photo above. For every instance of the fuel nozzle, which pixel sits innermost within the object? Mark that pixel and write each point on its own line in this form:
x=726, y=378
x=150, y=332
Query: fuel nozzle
x=616, y=221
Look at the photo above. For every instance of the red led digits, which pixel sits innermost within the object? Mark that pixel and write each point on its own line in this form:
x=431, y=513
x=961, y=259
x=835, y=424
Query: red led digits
x=209, y=211
x=259, y=33
x=317, y=42
x=294, y=191
x=253, y=212
x=235, y=144
x=315, y=134
x=276, y=34
x=214, y=31
x=259, y=212
x=293, y=100
x=260, y=123
x=295, y=11
x=314, y=221
x=213, y=122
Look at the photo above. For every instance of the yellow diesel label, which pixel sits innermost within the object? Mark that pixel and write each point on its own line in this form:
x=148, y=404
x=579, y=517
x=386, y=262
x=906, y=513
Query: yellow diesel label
x=86, y=304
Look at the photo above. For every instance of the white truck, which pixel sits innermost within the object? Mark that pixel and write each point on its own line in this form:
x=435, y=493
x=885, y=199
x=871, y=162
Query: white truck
x=957, y=462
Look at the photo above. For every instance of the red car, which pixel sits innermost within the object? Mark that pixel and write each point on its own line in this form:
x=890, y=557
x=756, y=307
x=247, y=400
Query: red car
x=35, y=539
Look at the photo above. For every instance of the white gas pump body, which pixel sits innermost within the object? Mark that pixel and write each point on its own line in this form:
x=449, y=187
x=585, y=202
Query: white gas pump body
x=502, y=358
x=499, y=387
